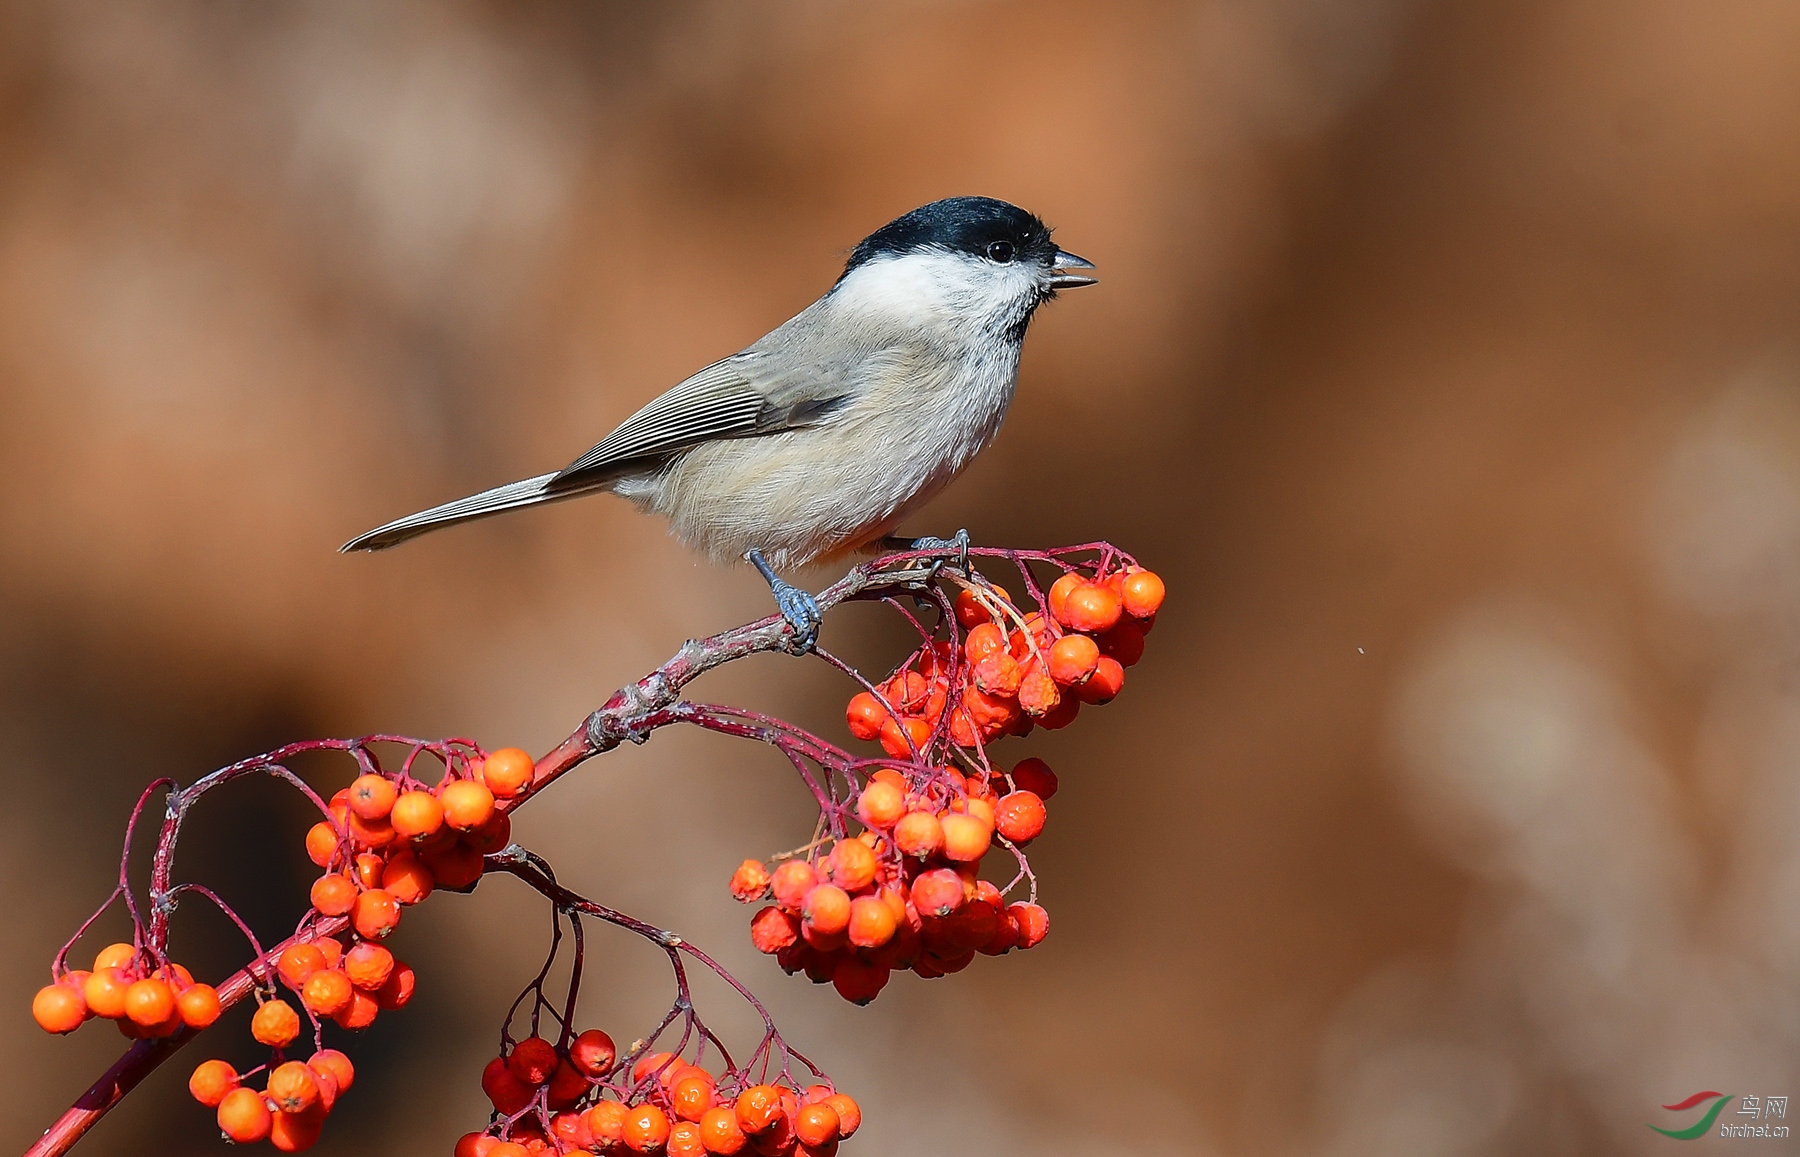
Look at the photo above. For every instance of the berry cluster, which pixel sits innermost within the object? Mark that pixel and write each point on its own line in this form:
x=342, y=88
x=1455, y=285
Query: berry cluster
x=1014, y=670
x=389, y=840
x=587, y=1099
x=906, y=893
x=126, y=986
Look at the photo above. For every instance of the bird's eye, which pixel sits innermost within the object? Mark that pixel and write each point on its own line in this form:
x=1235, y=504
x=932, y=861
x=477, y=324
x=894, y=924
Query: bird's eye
x=1000, y=251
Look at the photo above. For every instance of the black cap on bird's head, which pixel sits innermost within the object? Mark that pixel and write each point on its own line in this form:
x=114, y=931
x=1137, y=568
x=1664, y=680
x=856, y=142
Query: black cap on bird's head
x=981, y=227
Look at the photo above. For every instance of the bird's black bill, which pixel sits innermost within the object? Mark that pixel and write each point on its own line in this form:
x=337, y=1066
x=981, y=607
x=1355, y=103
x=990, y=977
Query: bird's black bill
x=1063, y=275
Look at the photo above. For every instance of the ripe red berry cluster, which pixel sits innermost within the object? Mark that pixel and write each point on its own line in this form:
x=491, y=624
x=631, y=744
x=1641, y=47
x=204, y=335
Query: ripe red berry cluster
x=125, y=986
x=1014, y=670
x=906, y=893
x=668, y=1106
x=289, y=1111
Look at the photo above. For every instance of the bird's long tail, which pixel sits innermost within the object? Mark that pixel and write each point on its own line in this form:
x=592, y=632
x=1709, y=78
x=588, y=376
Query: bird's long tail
x=525, y=492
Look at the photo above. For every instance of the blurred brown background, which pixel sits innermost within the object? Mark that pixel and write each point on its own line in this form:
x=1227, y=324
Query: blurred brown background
x=1444, y=362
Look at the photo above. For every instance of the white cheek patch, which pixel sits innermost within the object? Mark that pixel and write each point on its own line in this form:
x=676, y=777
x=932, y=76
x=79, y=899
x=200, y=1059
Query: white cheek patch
x=933, y=289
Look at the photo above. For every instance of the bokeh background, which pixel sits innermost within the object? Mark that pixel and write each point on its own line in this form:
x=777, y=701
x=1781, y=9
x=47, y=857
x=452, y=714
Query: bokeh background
x=1445, y=362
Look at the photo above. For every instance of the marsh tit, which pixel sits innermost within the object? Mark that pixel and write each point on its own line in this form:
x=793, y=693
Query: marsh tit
x=821, y=437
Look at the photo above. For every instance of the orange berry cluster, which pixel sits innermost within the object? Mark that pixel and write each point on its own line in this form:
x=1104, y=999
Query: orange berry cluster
x=384, y=848
x=289, y=1111
x=906, y=893
x=671, y=1106
x=123, y=986
x=1016, y=670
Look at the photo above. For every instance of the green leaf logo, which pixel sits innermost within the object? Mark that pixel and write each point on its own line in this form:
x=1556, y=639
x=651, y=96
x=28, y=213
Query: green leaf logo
x=1698, y=1128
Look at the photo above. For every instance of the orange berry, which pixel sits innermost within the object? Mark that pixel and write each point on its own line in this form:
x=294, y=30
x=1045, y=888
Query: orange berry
x=571, y=1132
x=1058, y=597
x=938, y=892
x=297, y=962
x=243, y=1117
x=467, y=804
x=406, y=879
x=332, y=951
x=684, y=1140
x=491, y=836
x=984, y=640
x=593, y=1053
x=368, y=965
x=1091, y=607
x=1124, y=642
x=816, y=1124
x=895, y=734
x=370, y=833
x=758, y=1108
x=275, y=1024
x=375, y=914
x=1020, y=816
x=148, y=1002
x=337, y=1064
x=1033, y=923
x=1038, y=692
x=475, y=1145
x=198, y=1005
x=865, y=715
x=366, y=869
x=791, y=882
x=1142, y=594
x=104, y=992
x=321, y=843
x=880, y=804
x=1106, y=682
x=966, y=838
x=750, y=882
x=58, y=1008
x=115, y=956
x=721, y=1133
x=292, y=1087
x=919, y=833
x=692, y=1095
x=211, y=1081
x=646, y=1129
x=772, y=929
x=827, y=909
x=849, y=1114
x=333, y=895
x=416, y=814
x=606, y=1120
x=533, y=1060
x=399, y=987
x=1072, y=659
x=872, y=922
x=508, y=1093
x=507, y=771
x=457, y=867
x=372, y=796
x=851, y=865
x=326, y=992
x=293, y=1132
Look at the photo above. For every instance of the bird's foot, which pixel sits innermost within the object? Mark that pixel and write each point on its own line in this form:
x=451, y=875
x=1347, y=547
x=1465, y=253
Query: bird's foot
x=960, y=542
x=798, y=607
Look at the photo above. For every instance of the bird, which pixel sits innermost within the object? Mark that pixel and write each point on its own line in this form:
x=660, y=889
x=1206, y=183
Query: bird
x=818, y=439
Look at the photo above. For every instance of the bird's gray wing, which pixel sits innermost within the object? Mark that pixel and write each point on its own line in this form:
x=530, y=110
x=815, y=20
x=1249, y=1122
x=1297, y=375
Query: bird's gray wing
x=754, y=392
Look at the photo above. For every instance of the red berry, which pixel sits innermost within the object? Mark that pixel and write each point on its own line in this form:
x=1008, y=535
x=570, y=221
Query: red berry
x=1035, y=776
x=1033, y=923
x=1142, y=593
x=1019, y=816
x=1091, y=608
x=533, y=1060
x=211, y=1081
x=592, y=1053
x=938, y=892
x=1105, y=684
x=243, y=1117
x=750, y=882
